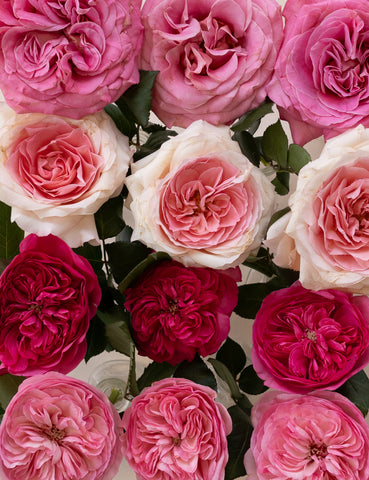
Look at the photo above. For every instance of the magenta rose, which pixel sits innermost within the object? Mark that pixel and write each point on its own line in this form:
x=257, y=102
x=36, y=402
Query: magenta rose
x=177, y=312
x=305, y=340
x=48, y=295
x=175, y=430
x=57, y=427
x=68, y=58
x=214, y=58
x=319, y=436
x=321, y=80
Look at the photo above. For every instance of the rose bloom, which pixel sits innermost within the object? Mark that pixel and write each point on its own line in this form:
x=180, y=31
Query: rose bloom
x=175, y=430
x=179, y=311
x=56, y=173
x=318, y=436
x=48, y=295
x=305, y=340
x=329, y=220
x=214, y=58
x=68, y=58
x=321, y=79
x=199, y=199
x=57, y=427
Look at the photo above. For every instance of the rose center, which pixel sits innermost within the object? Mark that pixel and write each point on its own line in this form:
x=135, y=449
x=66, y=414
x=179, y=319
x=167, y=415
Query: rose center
x=55, y=434
x=311, y=335
x=36, y=307
x=173, y=305
x=197, y=198
x=177, y=441
x=318, y=451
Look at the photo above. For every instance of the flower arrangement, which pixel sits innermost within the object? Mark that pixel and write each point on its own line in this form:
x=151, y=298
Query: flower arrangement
x=152, y=163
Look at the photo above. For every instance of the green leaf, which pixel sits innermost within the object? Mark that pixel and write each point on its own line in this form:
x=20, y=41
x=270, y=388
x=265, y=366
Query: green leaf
x=250, y=298
x=238, y=442
x=155, y=371
x=108, y=218
x=125, y=235
x=356, y=389
x=275, y=144
x=10, y=234
x=232, y=355
x=197, y=371
x=3, y=264
x=139, y=269
x=96, y=339
x=125, y=125
x=119, y=337
x=252, y=116
x=93, y=254
x=222, y=371
x=153, y=143
x=8, y=388
x=250, y=383
x=125, y=256
x=281, y=183
x=297, y=157
x=261, y=262
x=138, y=98
x=277, y=215
x=248, y=146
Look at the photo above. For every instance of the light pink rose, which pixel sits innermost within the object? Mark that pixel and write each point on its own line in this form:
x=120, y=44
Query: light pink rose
x=56, y=172
x=318, y=436
x=305, y=340
x=57, y=427
x=175, y=430
x=177, y=312
x=48, y=295
x=215, y=58
x=199, y=199
x=330, y=210
x=321, y=79
x=68, y=58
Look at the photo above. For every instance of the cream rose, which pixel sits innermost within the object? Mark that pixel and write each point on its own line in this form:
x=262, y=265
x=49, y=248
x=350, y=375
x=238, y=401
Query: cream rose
x=199, y=199
x=56, y=172
x=330, y=215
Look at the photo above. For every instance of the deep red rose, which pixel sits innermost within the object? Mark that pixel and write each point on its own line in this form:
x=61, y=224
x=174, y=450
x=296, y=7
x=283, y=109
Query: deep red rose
x=48, y=295
x=179, y=311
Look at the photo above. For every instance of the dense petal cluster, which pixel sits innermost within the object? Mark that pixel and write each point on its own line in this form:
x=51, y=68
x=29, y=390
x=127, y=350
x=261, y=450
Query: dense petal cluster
x=48, y=295
x=57, y=427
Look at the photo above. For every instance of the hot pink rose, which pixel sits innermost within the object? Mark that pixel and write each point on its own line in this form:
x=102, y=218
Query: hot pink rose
x=175, y=430
x=68, y=58
x=329, y=220
x=321, y=80
x=48, y=295
x=305, y=340
x=177, y=312
x=57, y=427
x=199, y=198
x=318, y=436
x=214, y=57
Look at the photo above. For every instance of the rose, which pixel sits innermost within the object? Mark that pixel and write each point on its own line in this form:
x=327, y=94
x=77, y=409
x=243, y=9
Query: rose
x=175, y=429
x=305, y=340
x=55, y=172
x=329, y=220
x=214, y=58
x=177, y=312
x=281, y=245
x=59, y=427
x=48, y=295
x=68, y=58
x=307, y=437
x=321, y=79
x=199, y=199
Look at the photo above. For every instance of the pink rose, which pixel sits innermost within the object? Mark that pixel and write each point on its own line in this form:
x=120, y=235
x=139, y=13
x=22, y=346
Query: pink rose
x=177, y=312
x=319, y=436
x=214, y=58
x=48, y=295
x=199, y=199
x=329, y=220
x=321, y=80
x=57, y=427
x=68, y=58
x=175, y=430
x=56, y=172
x=305, y=340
